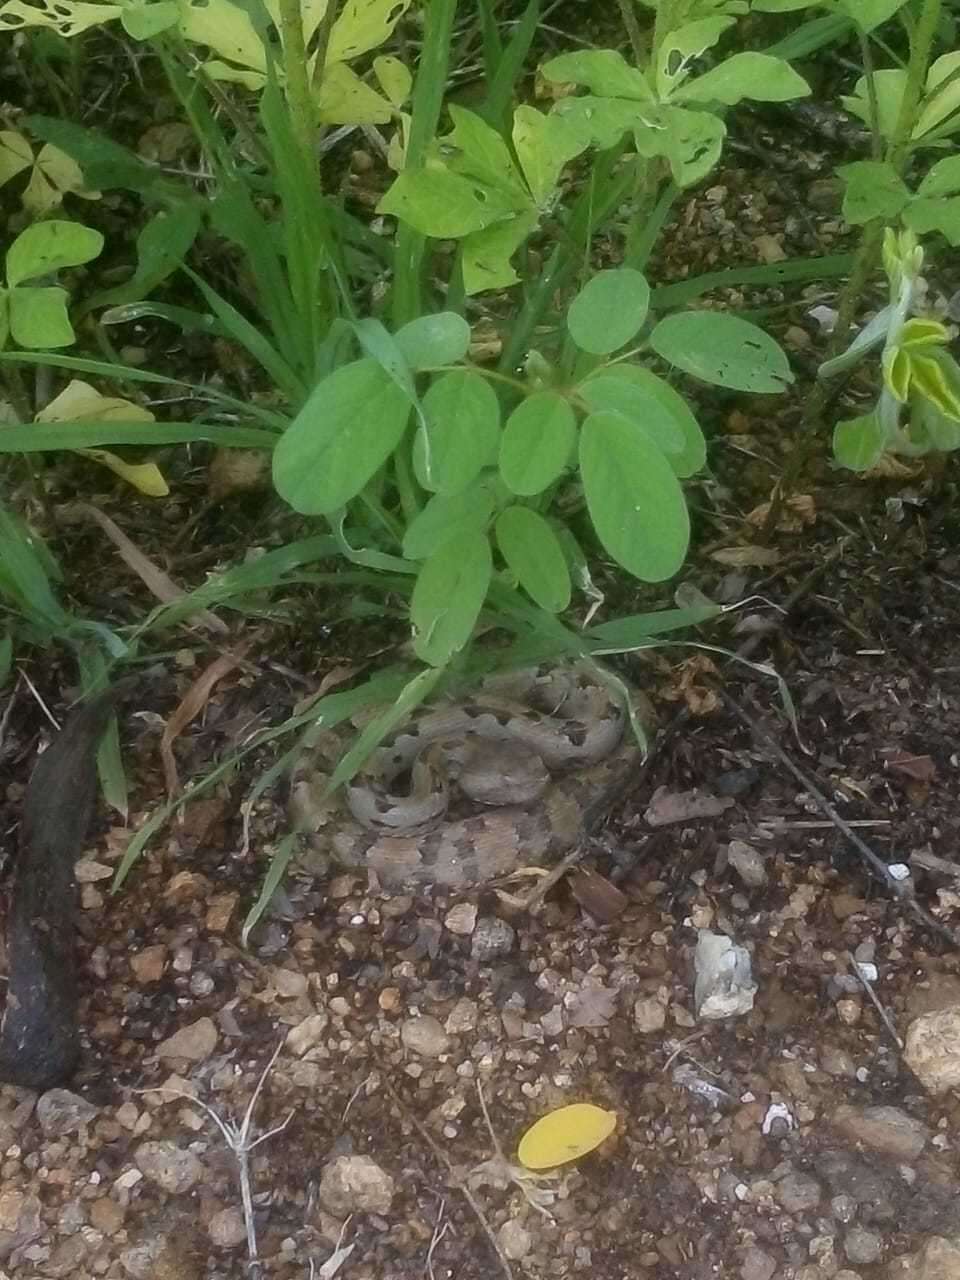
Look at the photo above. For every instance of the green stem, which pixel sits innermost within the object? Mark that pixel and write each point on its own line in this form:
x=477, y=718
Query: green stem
x=296, y=80
x=632, y=28
x=427, y=104
x=865, y=260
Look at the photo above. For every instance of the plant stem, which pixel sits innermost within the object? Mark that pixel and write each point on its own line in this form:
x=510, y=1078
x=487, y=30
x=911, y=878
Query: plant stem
x=296, y=81
x=427, y=104
x=632, y=27
x=865, y=261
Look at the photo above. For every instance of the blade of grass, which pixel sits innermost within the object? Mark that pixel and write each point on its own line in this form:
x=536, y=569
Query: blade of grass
x=428, y=97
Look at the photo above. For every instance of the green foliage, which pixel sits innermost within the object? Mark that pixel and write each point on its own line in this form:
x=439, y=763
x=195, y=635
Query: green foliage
x=35, y=315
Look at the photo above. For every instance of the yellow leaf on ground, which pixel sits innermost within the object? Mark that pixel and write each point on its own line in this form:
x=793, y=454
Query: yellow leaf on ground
x=146, y=477
x=565, y=1134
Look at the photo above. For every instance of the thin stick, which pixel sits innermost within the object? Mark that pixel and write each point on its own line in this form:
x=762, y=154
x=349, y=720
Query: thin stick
x=455, y=1179
x=902, y=890
x=868, y=988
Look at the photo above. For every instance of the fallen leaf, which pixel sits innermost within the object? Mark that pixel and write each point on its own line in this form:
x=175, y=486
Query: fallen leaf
x=919, y=768
x=191, y=704
x=798, y=512
x=565, y=1135
x=667, y=806
x=755, y=557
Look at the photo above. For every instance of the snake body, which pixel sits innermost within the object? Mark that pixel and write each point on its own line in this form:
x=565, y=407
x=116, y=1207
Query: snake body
x=494, y=783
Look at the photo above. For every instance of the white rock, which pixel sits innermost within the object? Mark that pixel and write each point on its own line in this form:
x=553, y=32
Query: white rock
x=932, y=1050
x=354, y=1184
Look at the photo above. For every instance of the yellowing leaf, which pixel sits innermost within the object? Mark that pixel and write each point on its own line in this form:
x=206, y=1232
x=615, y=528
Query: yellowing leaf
x=16, y=154
x=146, y=477
x=78, y=402
x=929, y=380
x=919, y=332
x=565, y=1134
x=897, y=371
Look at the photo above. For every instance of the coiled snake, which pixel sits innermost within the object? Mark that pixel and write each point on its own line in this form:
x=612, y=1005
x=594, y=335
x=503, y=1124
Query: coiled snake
x=495, y=783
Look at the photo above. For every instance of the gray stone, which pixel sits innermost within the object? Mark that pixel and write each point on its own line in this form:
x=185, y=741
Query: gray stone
x=886, y=1129
x=60, y=1112
x=799, y=1193
x=757, y=1265
x=354, y=1184
x=169, y=1166
x=424, y=1036
x=492, y=937
x=862, y=1246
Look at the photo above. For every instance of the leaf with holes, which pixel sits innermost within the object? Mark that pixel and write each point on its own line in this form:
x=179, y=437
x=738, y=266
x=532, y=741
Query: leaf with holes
x=723, y=350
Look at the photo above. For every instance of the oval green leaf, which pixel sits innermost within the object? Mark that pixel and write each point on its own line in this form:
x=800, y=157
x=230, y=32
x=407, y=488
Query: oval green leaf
x=443, y=338
x=462, y=434
x=723, y=350
x=350, y=425
x=444, y=518
x=858, y=442
x=38, y=317
x=654, y=405
x=634, y=498
x=537, y=442
x=448, y=596
x=50, y=246
x=609, y=310
x=534, y=555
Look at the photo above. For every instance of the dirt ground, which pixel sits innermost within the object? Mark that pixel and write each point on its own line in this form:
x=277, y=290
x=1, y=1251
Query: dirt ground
x=746, y=1147
x=788, y=1142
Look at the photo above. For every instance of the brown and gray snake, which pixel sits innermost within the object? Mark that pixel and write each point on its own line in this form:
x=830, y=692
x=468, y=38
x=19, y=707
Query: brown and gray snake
x=470, y=791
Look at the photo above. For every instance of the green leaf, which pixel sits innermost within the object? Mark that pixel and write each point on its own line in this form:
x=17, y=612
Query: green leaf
x=756, y=76
x=462, y=433
x=723, y=350
x=544, y=144
x=537, y=443
x=942, y=179
x=868, y=14
x=486, y=254
x=50, y=246
x=350, y=425
x=478, y=152
x=935, y=215
x=634, y=498
x=23, y=577
x=873, y=190
x=691, y=142
x=858, y=442
x=50, y=437
x=162, y=245
x=889, y=85
x=143, y=21
x=438, y=203
x=6, y=656
x=448, y=596
x=603, y=121
x=609, y=310
x=444, y=518
x=638, y=628
x=682, y=46
x=603, y=71
x=438, y=339
x=653, y=406
x=535, y=557
x=38, y=317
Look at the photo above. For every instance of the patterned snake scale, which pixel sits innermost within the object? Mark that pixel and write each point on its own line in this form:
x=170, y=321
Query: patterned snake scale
x=483, y=787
